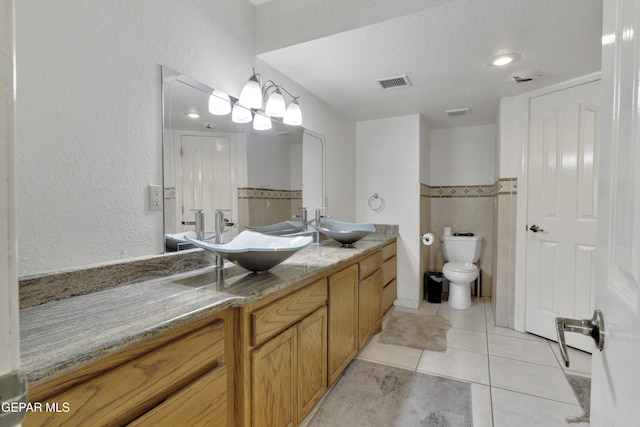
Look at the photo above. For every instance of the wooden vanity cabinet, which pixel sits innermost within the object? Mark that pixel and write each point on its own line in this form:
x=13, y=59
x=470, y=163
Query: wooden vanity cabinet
x=288, y=357
x=180, y=378
x=343, y=320
x=369, y=297
x=389, y=276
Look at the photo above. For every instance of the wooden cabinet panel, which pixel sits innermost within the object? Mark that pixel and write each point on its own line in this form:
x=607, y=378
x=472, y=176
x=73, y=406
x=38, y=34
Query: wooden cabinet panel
x=203, y=403
x=312, y=361
x=370, y=264
x=343, y=320
x=274, y=380
x=369, y=306
x=125, y=393
x=389, y=250
x=268, y=321
x=389, y=270
x=389, y=295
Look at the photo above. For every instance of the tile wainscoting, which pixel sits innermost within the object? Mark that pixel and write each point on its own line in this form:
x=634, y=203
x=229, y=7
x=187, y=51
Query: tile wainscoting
x=264, y=206
x=486, y=210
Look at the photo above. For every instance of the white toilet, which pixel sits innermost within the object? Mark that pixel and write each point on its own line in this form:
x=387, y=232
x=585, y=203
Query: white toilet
x=460, y=252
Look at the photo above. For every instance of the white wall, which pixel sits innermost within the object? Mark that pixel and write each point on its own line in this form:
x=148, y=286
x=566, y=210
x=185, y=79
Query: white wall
x=388, y=163
x=463, y=156
x=89, y=118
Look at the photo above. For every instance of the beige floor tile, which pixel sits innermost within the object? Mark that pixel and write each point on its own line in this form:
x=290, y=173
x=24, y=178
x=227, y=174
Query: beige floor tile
x=463, y=339
x=579, y=361
x=522, y=349
x=517, y=409
x=458, y=364
x=493, y=329
x=481, y=405
x=393, y=355
x=477, y=309
x=531, y=378
x=464, y=321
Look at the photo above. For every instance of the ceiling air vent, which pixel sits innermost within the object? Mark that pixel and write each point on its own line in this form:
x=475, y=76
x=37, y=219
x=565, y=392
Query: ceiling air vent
x=458, y=111
x=394, y=82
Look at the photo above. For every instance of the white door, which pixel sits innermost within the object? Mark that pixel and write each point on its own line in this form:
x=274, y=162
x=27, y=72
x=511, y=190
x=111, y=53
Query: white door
x=562, y=195
x=206, y=178
x=615, y=370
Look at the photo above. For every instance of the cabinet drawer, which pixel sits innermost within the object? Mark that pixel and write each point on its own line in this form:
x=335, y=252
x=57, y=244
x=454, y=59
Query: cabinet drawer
x=389, y=270
x=370, y=264
x=203, y=403
x=129, y=391
x=389, y=250
x=389, y=295
x=268, y=321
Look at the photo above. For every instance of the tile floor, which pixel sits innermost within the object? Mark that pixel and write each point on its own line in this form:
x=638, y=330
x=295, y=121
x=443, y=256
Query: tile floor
x=516, y=379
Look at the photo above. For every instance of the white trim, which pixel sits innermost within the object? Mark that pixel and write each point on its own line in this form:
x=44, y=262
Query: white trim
x=408, y=303
x=9, y=331
x=521, y=133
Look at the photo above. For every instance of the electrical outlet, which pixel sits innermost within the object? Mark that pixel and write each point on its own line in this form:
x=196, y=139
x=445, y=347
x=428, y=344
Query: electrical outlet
x=155, y=197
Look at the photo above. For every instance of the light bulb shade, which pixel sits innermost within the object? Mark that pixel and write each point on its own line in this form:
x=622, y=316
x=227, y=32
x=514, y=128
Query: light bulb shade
x=240, y=114
x=219, y=103
x=275, y=105
x=251, y=94
x=261, y=121
x=293, y=115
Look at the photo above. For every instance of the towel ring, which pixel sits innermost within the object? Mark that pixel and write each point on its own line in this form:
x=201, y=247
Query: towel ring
x=376, y=203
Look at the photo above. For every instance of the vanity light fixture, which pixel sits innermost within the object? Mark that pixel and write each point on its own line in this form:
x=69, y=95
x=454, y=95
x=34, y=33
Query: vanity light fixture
x=257, y=93
x=219, y=103
x=261, y=121
x=192, y=115
x=503, y=59
x=240, y=114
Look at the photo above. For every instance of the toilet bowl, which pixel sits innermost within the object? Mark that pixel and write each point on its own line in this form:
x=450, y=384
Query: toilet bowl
x=460, y=276
x=461, y=252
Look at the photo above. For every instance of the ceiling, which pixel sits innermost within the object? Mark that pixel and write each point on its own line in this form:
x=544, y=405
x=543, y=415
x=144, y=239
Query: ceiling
x=443, y=51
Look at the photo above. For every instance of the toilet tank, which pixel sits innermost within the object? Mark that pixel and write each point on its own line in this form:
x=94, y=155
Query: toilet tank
x=461, y=248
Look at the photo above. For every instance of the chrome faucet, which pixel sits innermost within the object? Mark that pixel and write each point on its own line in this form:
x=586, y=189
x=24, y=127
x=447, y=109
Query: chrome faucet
x=199, y=223
x=319, y=220
x=303, y=217
x=221, y=222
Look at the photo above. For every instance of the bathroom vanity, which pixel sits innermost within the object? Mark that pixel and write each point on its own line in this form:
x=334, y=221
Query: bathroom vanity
x=209, y=346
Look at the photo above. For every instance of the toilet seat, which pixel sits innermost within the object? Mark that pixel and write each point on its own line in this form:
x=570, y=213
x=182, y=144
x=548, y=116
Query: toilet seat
x=460, y=267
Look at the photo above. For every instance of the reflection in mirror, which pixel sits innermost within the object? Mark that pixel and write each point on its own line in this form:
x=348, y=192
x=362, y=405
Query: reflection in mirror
x=257, y=177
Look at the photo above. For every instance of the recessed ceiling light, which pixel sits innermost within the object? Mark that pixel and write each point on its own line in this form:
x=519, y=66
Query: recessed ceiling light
x=503, y=59
x=192, y=115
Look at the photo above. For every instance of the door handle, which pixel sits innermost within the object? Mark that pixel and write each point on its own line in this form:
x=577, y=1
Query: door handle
x=593, y=327
x=535, y=229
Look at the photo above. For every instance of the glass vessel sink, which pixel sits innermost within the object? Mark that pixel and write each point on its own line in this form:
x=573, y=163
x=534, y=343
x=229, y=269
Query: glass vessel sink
x=256, y=251
x=279, y=229
x=346, y=233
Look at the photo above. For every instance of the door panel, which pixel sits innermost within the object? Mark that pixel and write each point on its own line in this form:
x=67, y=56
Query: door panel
x=615, y=371
x=562, y=186
x=206, y=177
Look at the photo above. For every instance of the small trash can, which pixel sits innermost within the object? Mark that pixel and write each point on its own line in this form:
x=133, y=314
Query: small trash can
x=433, y=286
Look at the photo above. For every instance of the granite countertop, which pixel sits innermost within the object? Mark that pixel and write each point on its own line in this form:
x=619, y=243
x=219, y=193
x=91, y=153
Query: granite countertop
x=59, y=336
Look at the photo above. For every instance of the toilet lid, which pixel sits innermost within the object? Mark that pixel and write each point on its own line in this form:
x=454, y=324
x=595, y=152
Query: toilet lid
x=461, y=267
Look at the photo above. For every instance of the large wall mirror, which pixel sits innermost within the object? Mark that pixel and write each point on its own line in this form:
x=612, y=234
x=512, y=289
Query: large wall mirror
x=258, y=177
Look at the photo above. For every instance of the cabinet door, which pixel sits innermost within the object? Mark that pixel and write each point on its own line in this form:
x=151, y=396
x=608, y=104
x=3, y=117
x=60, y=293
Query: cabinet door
x=203, y=403
x=312, y=361
x=364, y=311
x=376, y=302
x=274, y=379
x=369, y=307
x=343, y=320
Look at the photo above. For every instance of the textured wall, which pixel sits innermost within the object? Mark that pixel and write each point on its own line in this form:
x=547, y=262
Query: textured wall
x=89, y=121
